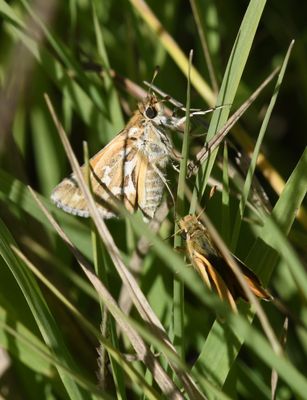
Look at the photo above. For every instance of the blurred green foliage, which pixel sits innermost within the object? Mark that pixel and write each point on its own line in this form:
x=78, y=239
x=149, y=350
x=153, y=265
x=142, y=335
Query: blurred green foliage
x=57, y=48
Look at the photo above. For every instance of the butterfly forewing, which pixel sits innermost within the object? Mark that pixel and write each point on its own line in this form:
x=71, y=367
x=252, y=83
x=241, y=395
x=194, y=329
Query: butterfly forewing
x=107, y=170
x=130, y=169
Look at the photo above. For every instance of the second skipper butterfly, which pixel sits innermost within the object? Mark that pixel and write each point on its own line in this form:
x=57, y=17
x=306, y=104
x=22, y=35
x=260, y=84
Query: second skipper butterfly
x=213, y=268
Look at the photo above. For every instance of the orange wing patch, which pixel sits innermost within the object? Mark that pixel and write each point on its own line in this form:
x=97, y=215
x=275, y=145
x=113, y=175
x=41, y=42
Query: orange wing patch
x=203, y=265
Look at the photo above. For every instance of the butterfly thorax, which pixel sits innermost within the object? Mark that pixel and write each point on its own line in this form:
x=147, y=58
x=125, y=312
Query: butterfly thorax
x=197, y=237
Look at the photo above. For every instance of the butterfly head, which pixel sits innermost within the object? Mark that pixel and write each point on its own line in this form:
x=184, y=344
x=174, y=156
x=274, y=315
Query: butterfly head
x=152, y=109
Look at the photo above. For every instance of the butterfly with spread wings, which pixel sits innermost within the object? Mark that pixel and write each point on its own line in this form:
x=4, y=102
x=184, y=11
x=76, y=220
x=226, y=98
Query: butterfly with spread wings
x=130, y=169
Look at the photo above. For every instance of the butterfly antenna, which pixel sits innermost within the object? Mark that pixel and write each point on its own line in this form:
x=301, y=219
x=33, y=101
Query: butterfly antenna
x=165, y=96
x=200, y=213
x=156, y=71
x=172, y=235
x=211, y=194
x=212, y=191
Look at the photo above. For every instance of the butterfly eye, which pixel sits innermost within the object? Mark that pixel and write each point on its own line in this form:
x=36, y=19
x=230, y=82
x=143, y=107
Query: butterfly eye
x=183, y=235
x=151, y=112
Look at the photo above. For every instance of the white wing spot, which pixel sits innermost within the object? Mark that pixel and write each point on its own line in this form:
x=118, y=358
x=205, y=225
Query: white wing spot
x=117, y=190
x=129, y=188
x=128, y=167
x=132, y=132
x=106, y=179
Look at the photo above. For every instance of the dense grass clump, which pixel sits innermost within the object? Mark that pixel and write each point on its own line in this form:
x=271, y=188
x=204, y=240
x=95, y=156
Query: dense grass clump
x=109, y=309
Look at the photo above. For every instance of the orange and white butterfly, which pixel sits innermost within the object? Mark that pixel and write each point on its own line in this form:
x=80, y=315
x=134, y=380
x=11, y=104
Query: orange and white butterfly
x=130, y=169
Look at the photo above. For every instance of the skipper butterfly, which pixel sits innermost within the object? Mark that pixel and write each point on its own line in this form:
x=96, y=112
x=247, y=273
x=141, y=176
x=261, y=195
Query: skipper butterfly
x=130, y=169
x=213, y=268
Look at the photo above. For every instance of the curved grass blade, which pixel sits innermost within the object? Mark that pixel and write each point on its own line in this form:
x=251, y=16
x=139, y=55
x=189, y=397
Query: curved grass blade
x=232, y=77
x=252, y=167
x=41, y=313
x=139, y=299
x=222, y=345
x=178, y=288
x=113, y=352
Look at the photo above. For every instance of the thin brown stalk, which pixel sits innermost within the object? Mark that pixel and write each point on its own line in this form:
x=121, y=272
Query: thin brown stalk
x=268, y=330
x=274, y=375
x=142, y=350
x=209, y=147
x=138, y=255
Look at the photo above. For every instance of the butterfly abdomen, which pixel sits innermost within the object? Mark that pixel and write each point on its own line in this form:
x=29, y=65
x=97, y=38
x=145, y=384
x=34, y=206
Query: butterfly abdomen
x=152, y=184
x=153, y=192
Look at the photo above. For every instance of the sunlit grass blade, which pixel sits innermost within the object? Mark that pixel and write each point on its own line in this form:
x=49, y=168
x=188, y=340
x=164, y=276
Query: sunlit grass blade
x=262, y=255
x=64, y=54
x=112, y=98
x=201, y=33
x=174, y=50
x=257, y=344
x=252, y=167
x=139, y=299
x=232, y=76
x=218, y=138
x=216, y=352
x=91, y=112
x=10, y=316
x=92, y=392
x=225, y=197
x=46, y=149
x=143, y=352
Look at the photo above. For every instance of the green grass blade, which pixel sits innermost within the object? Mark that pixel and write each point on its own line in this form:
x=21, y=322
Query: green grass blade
x=112, y=98
x=225, y=198
x=89, y=110
x=15, y=313
x=232, y=76
x=115, y=356
x=178, y=288
x=252, y=167
x=256, y=342
x=174, y=50
x=201, y=33
x=262, y=256
x=15, y=191
x=222, y=346
x=41, y=313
